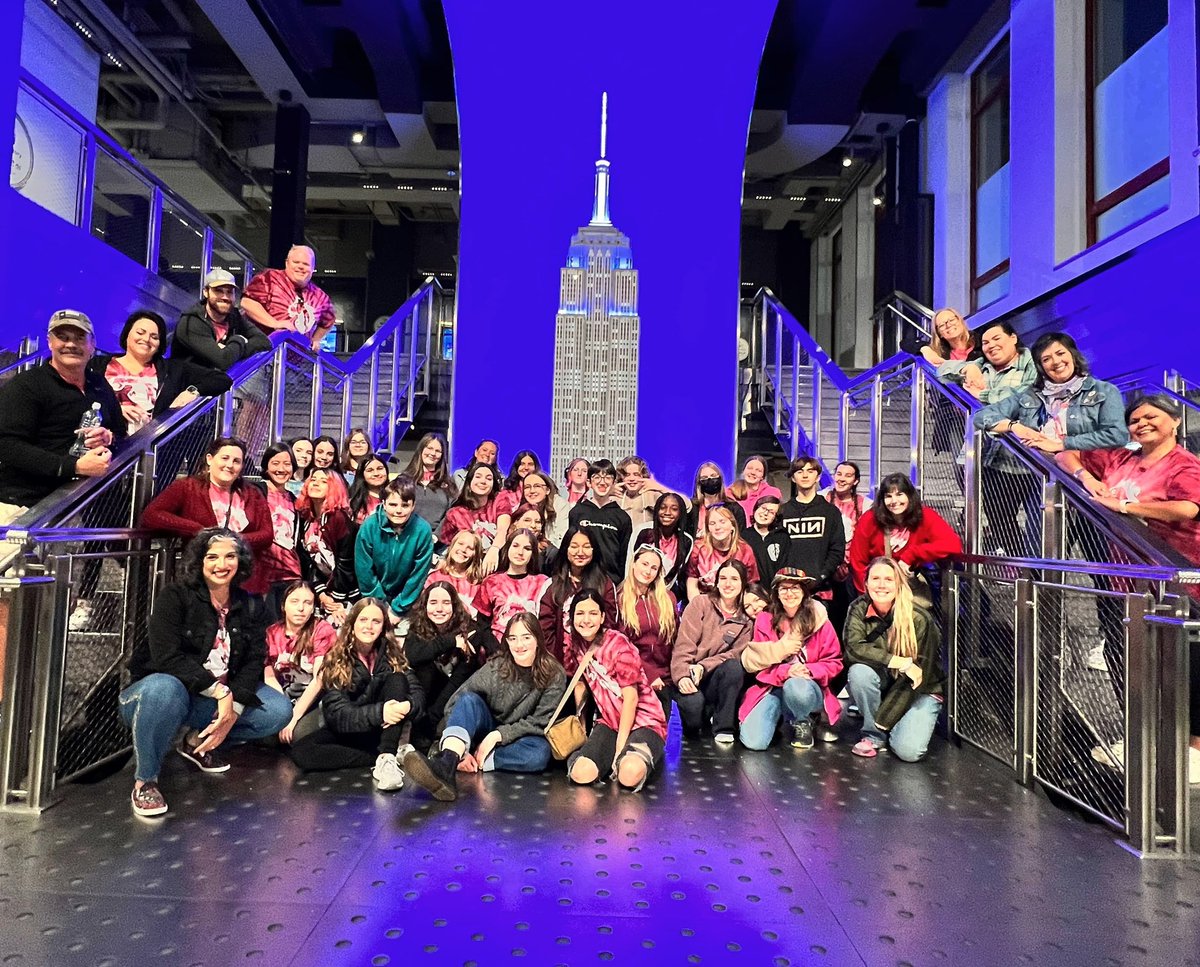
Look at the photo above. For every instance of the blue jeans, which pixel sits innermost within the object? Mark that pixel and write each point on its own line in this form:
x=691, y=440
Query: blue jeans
x=157, y=705
x=471, y=720
x=797, y=698
x=910, y=736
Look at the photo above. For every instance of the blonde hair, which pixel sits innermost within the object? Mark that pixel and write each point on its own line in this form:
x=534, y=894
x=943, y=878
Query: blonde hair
x=627, y=598
x=735, y=537
x=942, y=346
x=902, y=636
x=474, y=571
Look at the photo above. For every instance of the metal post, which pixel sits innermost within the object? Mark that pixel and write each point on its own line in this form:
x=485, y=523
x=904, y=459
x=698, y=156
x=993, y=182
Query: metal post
x=278, y=375
x=778, y=394
x=348, y=408
x=973, y=491
x=1170, y=641
x=794, y=427
x=1053, y=520
x=317, y=417
x=49, y=652
x=206, y=257
x=877, y=332
x=1025, y=684
x=410, y=381
x=373, y=397
x=430, y=324
x=916, y=445
x=816, y=409
x=154, y=235
x=19, y=679
x=876, y=429
x=843, y=425
x=394, y=404
x=950, y=597
x=1141, y=721
x=87, y=183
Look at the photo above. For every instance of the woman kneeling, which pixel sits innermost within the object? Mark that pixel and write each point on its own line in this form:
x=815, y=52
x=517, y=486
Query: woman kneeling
x=630, y=732
x=794, y=655
x=500, y=712
x=201, y=664
x=895, y=675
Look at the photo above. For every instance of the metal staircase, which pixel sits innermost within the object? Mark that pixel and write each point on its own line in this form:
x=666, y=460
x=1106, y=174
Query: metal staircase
x=58, y=701
x=1020, y=629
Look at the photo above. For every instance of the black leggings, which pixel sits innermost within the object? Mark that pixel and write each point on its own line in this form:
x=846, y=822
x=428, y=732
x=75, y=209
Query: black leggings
x=326, y=749
x=717, y=693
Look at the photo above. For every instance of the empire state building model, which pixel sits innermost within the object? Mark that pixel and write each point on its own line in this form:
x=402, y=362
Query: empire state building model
x=596, y=338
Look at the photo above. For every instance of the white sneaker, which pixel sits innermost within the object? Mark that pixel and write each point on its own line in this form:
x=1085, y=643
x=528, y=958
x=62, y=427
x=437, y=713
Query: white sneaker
x=387, y=773
x=1094, y=661
x=81, y=617
x=723, y=738
x=1112, y=756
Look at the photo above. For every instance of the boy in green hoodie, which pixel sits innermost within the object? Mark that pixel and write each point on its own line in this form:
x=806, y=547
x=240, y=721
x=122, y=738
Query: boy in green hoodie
x=393, y=550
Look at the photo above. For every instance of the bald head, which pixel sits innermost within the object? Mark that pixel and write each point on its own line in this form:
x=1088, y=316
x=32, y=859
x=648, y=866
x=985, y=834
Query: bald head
x=301, y=261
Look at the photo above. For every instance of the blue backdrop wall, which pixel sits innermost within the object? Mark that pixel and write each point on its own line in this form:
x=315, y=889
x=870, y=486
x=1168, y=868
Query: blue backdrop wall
x=680, y=82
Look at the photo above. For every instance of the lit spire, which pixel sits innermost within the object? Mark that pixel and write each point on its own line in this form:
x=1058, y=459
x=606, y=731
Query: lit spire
x=600, y=206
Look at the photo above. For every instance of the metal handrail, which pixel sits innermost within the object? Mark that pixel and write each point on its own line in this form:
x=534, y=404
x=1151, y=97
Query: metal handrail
x=1134, y=572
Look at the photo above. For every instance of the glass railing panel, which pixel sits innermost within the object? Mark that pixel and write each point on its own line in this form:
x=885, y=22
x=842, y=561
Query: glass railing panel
x=227, y=255
x=181, y=248
x=121, y=207
x=48, y=156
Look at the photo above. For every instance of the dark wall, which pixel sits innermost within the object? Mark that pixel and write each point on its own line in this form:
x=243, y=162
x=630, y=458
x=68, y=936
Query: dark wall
x=780, y=260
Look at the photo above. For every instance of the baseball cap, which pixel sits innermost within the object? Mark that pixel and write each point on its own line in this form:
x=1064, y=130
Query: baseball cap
x=219, y=277
x=791, y=574
x=70, y=317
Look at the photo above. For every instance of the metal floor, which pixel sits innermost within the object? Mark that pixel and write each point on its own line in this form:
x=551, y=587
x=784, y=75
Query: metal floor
x=728, y=857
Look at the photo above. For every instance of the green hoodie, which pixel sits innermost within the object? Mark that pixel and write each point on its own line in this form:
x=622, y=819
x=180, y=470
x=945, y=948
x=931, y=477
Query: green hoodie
x=392, y=566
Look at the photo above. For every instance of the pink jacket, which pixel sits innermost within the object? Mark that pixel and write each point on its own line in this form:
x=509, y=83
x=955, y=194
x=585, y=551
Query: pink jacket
x=763, y=489
x=769, y=660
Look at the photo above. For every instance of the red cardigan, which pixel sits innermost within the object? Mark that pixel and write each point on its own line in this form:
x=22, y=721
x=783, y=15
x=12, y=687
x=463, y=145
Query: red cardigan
x=932, y=540
x=184, y=509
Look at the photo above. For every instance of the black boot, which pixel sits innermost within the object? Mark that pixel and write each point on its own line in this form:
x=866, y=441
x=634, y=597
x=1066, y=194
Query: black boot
x=438, y=773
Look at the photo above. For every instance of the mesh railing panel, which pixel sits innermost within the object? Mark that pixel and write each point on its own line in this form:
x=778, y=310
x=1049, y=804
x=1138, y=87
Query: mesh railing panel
x=181, y=453
x=895, y=416
x=332, y=396
x=1080, y=695
x=109, y=506
x=985, y=671
x=940, y=458
x=297, y=397
x=252, y=411
x=121, y=582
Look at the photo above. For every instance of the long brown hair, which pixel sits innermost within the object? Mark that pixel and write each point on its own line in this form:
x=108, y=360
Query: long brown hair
x=302, y=644
x=339, y=662
x=441, y=480
x=460, y=622
x=805, y=622
x=545, y=668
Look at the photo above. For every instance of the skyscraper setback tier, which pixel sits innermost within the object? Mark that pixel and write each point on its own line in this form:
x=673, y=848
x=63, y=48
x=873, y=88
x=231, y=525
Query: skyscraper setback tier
x=596, y=340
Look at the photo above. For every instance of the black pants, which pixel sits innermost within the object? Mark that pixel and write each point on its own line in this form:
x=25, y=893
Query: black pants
x=601, y=748
x=717, y=695
x=326, y=749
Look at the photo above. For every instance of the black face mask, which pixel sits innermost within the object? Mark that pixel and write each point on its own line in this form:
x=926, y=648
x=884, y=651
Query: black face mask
x=710, y=486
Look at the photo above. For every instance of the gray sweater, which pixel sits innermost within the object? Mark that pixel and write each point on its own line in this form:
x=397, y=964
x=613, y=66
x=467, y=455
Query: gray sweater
x=518, y=708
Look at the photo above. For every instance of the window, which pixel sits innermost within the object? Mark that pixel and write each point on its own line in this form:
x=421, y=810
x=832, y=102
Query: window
x=1127, y=113
x=989, y=178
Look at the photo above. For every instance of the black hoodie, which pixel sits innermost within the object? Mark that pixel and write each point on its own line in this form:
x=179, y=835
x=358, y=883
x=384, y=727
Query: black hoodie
x=610, y=528
x=817, y=542
x=195, y=339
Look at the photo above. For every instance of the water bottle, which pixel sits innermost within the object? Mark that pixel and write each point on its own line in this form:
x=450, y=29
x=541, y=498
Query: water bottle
x=90, y=419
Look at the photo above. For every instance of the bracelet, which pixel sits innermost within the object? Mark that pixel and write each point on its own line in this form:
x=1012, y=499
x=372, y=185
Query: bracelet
x=1078, y=474
x=1124, y=505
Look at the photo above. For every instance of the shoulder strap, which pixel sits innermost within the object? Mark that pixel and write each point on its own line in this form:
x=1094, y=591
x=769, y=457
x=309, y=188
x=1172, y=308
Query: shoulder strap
x=571, y=687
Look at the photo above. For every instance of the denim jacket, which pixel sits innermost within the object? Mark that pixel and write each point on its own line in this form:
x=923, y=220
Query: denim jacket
x=1095, y=415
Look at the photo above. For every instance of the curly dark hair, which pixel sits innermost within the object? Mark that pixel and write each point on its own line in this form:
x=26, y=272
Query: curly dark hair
x=191, y=564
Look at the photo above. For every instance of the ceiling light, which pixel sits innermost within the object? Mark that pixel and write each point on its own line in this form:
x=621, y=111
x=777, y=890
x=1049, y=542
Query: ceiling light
x=762, y=197
x=876, y=201
x=83, y=30
x=797, y=198
x=847, y=161
x=405, y=187
x=358, y=137
x=370, y=186
x=830, y=198
x=451, y=173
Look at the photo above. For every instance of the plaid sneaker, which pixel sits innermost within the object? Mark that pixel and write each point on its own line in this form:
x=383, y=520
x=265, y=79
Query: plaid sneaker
x=148, y=800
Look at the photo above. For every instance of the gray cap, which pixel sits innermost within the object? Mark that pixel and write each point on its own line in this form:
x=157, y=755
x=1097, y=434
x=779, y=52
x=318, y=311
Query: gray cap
x=219, y=277
x=71, y=317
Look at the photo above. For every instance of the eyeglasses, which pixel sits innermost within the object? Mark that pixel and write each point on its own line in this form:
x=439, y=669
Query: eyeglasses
x=603, y=476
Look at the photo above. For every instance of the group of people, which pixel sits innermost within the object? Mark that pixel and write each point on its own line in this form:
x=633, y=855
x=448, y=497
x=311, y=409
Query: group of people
x=398, y=622
x=426, y=623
